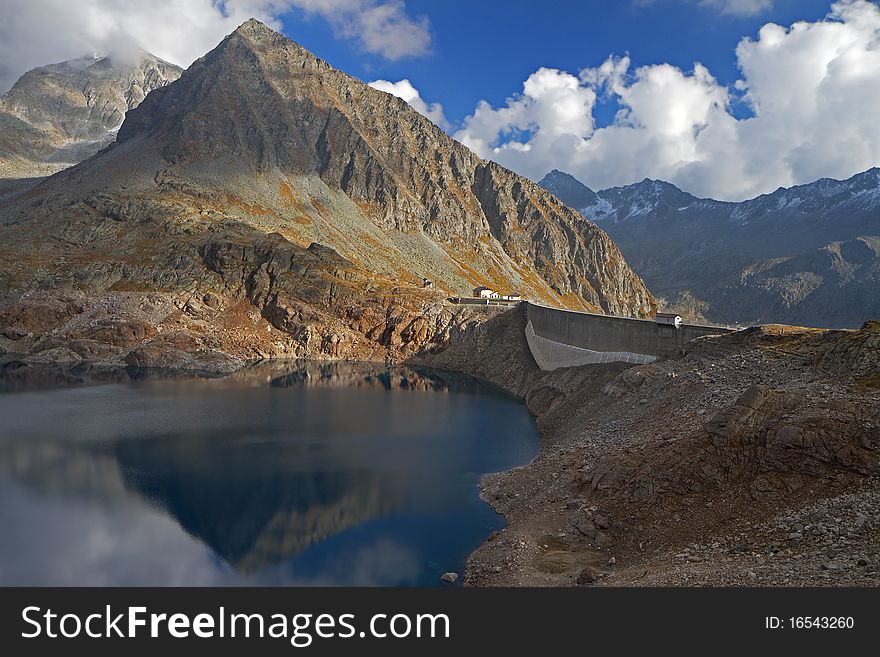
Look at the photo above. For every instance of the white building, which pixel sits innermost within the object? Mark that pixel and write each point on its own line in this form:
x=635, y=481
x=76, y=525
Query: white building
x=485, y=293
x=668, y=319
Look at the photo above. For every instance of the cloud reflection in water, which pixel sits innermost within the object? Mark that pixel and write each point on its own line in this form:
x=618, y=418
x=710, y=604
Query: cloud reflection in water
x=314, y=475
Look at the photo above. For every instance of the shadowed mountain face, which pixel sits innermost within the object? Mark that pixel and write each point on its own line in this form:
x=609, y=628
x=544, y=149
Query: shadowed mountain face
x=58, y=115
x=801, y=255
x=265, y=176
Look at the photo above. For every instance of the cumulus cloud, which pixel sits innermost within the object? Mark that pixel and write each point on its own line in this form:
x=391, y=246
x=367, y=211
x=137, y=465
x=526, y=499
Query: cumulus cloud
x=38, y=32
x=405, y=90
x=813, y=90
x=554, y=100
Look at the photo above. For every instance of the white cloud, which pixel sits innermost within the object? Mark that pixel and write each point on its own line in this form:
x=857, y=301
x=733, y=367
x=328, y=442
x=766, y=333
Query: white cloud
x=38, y=32
x=405, y=90
x=553, y=114
x=813, y=89
x=728, y=7
x=381, y=27
x=738, y=7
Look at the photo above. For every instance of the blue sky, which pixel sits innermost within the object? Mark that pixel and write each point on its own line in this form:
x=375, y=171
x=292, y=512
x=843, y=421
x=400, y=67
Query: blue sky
x=485, y=50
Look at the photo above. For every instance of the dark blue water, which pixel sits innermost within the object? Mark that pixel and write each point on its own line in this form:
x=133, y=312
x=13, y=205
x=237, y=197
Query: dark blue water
x=284, y=475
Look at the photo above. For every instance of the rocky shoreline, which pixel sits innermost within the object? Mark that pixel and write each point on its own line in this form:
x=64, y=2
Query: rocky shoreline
x=751, y=461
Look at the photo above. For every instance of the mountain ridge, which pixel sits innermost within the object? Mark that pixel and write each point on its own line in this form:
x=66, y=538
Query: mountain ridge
x=860, y=179
x=704, y=256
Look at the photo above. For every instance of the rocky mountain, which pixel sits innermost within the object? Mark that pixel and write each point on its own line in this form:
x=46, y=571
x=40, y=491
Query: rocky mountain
x=268, y=204
x=805, y=254
x=58, y=115
x=570, y=190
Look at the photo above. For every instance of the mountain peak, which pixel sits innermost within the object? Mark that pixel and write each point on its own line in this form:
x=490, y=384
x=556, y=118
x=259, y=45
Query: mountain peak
x=562, y=176
x=252, y=26
x=252, y=96
x=261, y=34
x=659, y=190
x=568, y=189
x=262, y=38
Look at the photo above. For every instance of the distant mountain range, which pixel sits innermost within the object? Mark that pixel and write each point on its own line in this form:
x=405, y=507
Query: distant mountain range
x=60, y=114
x=804, y=255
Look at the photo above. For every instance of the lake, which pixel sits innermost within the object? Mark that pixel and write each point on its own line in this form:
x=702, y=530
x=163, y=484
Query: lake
x=282, y=474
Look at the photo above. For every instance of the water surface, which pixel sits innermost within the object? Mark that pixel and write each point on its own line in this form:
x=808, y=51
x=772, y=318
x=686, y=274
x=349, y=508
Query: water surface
x=286, y=474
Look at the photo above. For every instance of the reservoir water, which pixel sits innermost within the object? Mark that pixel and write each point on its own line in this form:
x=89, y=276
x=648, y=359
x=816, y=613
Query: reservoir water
x=283, y=474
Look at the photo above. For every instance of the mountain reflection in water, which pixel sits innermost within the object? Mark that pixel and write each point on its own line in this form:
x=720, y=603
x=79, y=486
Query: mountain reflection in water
x=282, y=473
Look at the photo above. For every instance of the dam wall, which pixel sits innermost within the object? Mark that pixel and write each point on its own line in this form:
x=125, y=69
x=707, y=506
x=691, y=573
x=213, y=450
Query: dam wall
x=567, y=338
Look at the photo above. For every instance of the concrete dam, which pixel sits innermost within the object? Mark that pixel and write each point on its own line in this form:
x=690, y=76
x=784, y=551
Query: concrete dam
x=567, y=338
